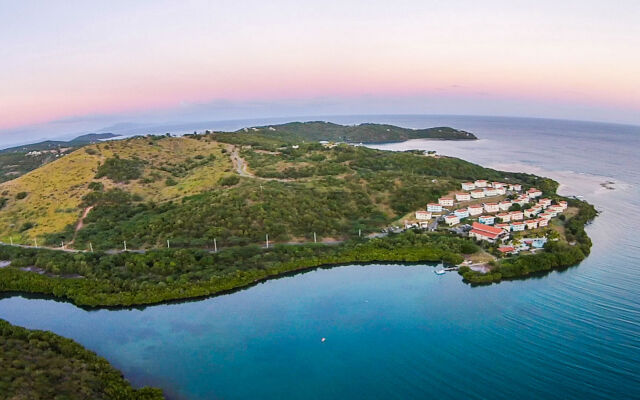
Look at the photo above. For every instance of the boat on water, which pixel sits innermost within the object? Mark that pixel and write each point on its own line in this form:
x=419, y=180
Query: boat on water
x=439, y=272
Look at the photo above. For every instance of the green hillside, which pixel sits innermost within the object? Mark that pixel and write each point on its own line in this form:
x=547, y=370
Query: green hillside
x=38, y=365
x=363, y=133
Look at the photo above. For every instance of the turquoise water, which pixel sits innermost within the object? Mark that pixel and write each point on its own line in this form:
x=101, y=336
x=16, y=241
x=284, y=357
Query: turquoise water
x=401, y=332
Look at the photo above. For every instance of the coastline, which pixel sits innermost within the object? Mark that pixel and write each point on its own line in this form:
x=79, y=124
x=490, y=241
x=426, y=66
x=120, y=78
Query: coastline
x=423, y=247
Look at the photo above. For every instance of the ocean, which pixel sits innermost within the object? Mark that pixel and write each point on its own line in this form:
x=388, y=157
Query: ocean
x=400, y=331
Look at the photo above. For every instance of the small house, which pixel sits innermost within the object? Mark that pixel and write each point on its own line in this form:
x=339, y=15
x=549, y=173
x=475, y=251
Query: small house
x=504, y=217
x=451, y=220
x=446, y=201
x=480, y=183
x=531, y=223
x=434, y=207
x=485, y=232
x=487, y=219
x=489, y=192
x=505, y=205
x=468, y=186
x=463, y=196
x=475, y=209
x=477, y=194
x=542, y=222
x=516, y=215
x=491, y=207
x=462, y=213
x=506, y=227
x=517, y=226
x=423, y=215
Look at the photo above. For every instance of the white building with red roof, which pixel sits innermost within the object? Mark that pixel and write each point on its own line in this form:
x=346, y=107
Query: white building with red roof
x=564, y=204
x=505, y=205
x=518, y=226
x=452, y=220
x=477, y=194
x=531, y=223
x=480, y=183
x=516, y=215
x=475, y=209
x=491, y=207
x=533, y=193
x=423, y=215
x=504, y=217
x=544, y=202
x=500, y=191
x=468, y=186
x=463, y=196
x=506, y=227
x=497, y=185
x=489, y=192
x=434, y=207
x=487, y=219
x=462, y=213
x=486, y=232
x=542, y=222
x=446, y=201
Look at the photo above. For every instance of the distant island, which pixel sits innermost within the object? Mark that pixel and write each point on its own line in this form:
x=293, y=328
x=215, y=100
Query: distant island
x=362, y=133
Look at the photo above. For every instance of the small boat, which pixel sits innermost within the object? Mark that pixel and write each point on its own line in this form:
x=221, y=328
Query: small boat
x=439, y=271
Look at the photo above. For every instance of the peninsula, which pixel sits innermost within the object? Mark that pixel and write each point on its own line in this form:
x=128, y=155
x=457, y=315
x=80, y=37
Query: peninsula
x=156, y=218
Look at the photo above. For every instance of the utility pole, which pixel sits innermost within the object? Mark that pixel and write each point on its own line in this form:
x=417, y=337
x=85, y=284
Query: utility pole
x=62, y=245
x=359, y=232
x=91, y=247
x=36, y=242
x=315, y=240
x=267, y=240
x=125, y=245
x=168, y=246
x=215, y=246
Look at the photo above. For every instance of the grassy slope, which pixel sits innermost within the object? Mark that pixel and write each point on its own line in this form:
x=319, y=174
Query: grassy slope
x=55, y=190
x=39, y=365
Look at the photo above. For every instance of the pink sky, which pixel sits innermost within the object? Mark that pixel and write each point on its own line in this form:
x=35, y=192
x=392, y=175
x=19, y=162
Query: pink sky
x=125, y=59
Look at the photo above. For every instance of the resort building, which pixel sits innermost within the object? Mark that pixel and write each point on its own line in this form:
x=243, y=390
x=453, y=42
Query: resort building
x=516, y=215
x=463, y=196
x=468, y=186
x=557, y=208
x=451, y=220
x=542, y=222
x=487, y=219
x=477, y=194
x=533, y=193
x=531, y=223
x=544, y=202
x=517, y=226
x=522, y=200
x=515, y=187
x=564, y=204
x=480, y=183
x=491, y=207
x=551, y=212
x=505, y=205
x=546, y=216
x=500, y=191
x=434, y=207
x=423, y=215
x=446, y=201
x=486, y=232
x=506, y=227
x=475, y=209
x=462, y=213
x=504, y=217
x=424, y=224
x=497, y=185
x=530, y=212
x=507, y=250
x=490, y=192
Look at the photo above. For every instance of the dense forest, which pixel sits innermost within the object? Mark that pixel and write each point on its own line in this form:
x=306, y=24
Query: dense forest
x=38, y=365
x=122, y=279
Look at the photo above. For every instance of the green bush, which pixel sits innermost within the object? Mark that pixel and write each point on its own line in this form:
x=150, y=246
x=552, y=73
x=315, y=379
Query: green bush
x=120, y=169
x=21, y=195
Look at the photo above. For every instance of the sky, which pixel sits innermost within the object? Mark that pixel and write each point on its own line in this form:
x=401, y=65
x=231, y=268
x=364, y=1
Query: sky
x=72, y=66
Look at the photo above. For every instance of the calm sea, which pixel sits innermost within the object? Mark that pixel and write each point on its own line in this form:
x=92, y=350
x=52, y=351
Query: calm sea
x=401, y=332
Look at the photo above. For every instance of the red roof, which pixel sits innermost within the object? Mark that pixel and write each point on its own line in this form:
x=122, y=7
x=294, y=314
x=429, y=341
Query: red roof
x=486, y=230
x=506, y=249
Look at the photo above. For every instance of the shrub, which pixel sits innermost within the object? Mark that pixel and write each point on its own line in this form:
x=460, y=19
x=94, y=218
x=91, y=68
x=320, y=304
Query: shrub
x=170, y=182
x=120, y=169
x=96, y=186
x=230, y=180
x=21, y=195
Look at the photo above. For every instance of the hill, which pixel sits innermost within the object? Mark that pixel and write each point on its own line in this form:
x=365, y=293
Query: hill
x=234, y=188
x=362, y=133
x=19, y=160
